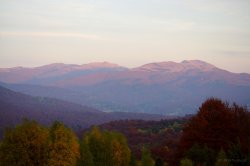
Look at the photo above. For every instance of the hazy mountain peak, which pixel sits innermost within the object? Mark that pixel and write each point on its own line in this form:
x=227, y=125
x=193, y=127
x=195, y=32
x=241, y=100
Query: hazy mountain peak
x=54, y=65
x=11, y=69
x=99, y=65
x=198, y=64
x=195, y=62
x=170, y=66
x=158, y=66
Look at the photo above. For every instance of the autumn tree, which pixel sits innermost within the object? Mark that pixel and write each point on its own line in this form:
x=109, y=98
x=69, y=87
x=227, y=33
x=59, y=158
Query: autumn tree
x=201, y=155
x=146, y=159
x=207, y=127
x=159, y=162
x=63, y=147
x=241, y=129
x=236, y=155
x=120, y=150
x=222, y=159
x=105, y=148
x=86, y=156
x=133, y=161
x=99, y=147
x=26, y=144
x=186, y=162
x=217, y=125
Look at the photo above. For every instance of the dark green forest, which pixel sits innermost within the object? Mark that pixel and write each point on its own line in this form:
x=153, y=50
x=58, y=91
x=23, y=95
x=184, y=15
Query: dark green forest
x=218, y=135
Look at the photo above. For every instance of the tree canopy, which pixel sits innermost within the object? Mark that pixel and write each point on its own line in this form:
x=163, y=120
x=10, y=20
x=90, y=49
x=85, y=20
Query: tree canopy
x=63, y=147
x=105, y=148
x=26, y=144
x=217, y=125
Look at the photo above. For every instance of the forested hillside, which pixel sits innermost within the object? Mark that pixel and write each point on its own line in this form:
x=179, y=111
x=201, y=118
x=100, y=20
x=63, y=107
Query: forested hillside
x=218, y=134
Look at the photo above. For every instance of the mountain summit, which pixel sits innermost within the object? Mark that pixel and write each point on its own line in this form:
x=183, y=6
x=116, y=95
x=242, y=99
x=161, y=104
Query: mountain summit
x=162, y=87
x=204, y=66
x=100, y=65
x=177, y=67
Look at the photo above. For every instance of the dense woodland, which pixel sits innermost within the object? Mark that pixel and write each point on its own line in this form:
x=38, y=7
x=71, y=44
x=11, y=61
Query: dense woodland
x=218, y=134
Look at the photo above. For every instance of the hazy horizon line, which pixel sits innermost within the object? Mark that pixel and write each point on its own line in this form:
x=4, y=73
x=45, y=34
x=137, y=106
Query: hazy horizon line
x=117, y=64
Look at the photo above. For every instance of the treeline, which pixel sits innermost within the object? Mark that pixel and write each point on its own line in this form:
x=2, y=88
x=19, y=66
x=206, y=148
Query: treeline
x=30, y=144
x=161, y=137
x=219, y=134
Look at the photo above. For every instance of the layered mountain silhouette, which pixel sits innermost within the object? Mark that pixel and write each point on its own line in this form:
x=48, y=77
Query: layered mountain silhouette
x=16, y=106
x=163, y=87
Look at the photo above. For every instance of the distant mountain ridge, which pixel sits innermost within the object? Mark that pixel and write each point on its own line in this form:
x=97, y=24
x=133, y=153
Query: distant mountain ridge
x=22, y=74
x=16, y=106
x=161, y=87
x=177, y=67
x=63, y=74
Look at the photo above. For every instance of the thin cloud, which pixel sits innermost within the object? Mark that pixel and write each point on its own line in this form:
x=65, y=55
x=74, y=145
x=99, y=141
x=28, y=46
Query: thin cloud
x=176, y=24
x=52, y=34
x=234, y=53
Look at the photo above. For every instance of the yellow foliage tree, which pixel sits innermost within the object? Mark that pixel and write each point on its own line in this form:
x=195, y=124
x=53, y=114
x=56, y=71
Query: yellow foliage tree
x=26, y=144
x=63, y=147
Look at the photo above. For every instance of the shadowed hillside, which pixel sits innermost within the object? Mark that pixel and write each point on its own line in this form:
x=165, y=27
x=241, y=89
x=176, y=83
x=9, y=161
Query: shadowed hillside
x=15, y=106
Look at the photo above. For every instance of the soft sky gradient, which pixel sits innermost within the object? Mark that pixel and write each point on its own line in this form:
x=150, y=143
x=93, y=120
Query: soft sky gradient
x=127, y=32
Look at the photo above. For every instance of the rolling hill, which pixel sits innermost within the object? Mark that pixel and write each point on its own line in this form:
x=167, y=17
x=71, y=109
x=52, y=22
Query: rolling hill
x=16, y=106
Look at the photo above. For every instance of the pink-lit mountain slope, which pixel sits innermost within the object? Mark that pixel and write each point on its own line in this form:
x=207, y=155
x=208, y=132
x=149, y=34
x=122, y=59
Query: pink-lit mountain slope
x=163, y=87
x=56, y=71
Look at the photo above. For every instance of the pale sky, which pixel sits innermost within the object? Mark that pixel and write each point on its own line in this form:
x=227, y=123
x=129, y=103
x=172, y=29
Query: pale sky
x=126, y=32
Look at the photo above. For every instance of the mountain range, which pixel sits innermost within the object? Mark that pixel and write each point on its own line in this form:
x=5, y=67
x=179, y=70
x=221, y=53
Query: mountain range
x=167, y=88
